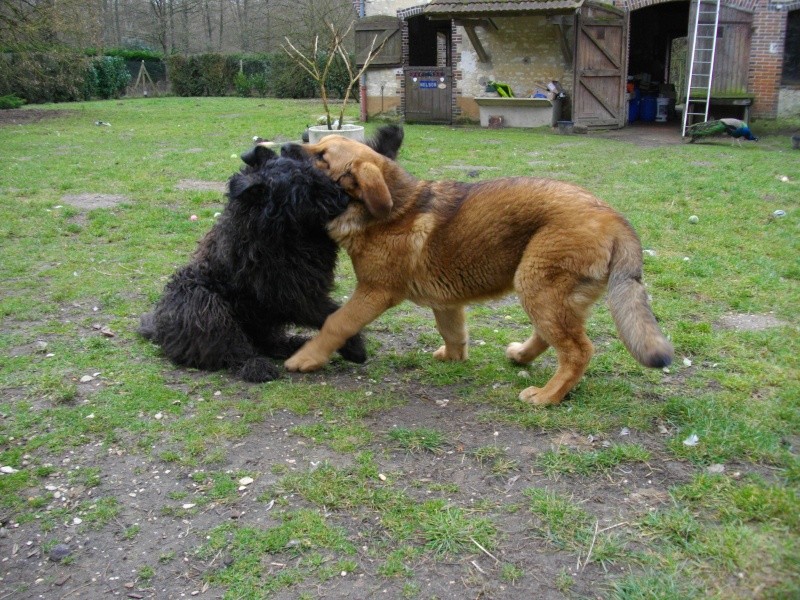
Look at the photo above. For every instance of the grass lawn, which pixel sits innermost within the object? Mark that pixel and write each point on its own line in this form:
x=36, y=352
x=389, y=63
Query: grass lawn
x=402, y=477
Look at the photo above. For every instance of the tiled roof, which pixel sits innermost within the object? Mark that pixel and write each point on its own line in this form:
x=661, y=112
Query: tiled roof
x=485, y=7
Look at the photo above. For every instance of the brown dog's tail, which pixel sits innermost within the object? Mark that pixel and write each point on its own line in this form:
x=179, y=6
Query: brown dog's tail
x=627, y=300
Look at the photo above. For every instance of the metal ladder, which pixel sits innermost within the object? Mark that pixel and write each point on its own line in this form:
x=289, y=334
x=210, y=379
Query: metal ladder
x=701, y=64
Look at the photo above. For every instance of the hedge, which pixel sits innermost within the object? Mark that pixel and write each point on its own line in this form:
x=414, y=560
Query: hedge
x=127, y=54
x=106, y=77
x=61, y=76
x=274, y=74
x=201, y=74
x=68, y=76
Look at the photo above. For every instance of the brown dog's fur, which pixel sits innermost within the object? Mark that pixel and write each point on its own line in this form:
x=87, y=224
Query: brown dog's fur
x=445, y=244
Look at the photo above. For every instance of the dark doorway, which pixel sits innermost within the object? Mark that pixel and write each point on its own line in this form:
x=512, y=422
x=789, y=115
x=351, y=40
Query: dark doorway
x=428, y=74
x=652, y=31
x=428, y=42
x=791, y=52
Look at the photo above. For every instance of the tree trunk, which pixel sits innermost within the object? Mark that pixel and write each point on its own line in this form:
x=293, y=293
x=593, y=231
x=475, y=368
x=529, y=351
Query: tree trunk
x=209, y=29
x=117, y=28
x=172, y=23
x=221, y=24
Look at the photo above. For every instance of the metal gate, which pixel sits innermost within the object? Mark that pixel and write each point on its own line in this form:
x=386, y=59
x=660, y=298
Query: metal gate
x=600, y=67
x=428, y=94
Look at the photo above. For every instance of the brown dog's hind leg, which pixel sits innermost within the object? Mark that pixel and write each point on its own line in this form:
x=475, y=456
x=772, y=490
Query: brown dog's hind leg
x=557, y=304
x=573, y=357
x=451, y=326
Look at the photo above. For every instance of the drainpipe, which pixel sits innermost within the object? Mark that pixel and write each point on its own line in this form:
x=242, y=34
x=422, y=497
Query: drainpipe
x=362, y=87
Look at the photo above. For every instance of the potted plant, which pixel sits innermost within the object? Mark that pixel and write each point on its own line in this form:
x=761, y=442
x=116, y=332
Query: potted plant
x=319, y=67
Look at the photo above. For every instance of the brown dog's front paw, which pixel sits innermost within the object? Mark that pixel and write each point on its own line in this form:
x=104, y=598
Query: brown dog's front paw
x=304, y=362
x=445, y=354
x=535, y=396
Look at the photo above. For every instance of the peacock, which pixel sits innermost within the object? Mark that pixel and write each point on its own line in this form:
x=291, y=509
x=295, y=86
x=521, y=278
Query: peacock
x=735, y=128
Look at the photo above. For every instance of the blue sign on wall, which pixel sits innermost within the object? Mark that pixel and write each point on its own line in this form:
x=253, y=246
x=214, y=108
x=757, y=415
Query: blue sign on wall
x=428, y=84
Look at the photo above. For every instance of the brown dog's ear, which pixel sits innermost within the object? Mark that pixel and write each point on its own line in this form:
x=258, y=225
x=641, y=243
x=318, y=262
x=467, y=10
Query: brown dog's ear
x=373, y=190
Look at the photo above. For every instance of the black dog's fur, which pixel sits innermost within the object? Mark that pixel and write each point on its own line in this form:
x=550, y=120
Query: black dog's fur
x=266, y=263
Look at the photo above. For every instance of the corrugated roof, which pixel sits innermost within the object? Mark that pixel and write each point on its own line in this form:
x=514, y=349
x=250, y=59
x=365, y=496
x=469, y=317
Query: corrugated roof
x=486, y=7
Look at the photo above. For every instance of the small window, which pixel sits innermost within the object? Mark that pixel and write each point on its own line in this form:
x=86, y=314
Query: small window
x=384, y=29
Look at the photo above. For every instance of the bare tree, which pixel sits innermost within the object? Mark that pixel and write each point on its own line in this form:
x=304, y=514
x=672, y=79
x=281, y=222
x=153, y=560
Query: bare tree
x=242, y=16
x=41, y=24
x=171, y=25
x=221, y=23
x=111, y=23
x=160, y=11
x=253, y=25
x=318, y=63
x=309, y=20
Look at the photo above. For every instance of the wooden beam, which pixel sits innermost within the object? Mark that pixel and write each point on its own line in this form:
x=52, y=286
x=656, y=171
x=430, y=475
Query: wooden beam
x=485, y=23
x=483, y=56
x=566, y=34
x=565, y=42
x=600, y=99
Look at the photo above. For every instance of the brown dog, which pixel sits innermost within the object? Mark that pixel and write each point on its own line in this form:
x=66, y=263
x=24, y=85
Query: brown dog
x=445, y=244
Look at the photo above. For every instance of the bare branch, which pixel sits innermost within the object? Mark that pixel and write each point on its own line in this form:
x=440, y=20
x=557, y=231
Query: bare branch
x=373, y=52
x=335, y=48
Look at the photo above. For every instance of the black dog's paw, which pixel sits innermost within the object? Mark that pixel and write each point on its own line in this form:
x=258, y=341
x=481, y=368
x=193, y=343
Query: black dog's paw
x=354, y=349
x=257, y=370
x=147, y=326
x=283, y=347
x=293, y=343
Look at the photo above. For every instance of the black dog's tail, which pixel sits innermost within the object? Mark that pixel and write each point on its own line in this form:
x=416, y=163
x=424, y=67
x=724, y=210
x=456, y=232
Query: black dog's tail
x=387, y=141
x=147, y=326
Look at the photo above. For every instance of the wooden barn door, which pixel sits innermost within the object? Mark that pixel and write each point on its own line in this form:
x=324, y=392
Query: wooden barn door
x=601, y=45
x=732, y=55
x=428, y=94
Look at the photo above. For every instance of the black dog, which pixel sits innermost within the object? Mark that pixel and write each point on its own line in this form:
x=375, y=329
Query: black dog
x=267, y=263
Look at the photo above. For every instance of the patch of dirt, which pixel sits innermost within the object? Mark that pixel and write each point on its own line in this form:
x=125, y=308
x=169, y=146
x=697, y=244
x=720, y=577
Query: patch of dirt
x=24, y=116
x=164, y=510
x=747, y=322
x=153, y=529
x=646, y=135
x=89, y=201
x=196, y=185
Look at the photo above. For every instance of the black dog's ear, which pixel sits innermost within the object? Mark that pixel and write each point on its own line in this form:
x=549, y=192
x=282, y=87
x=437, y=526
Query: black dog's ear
x=387, y=140
x=293, y=151
x=258, y=155
x=245, y=187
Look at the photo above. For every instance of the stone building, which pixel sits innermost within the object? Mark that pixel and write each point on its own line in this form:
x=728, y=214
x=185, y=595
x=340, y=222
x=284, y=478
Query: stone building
x=441, y=57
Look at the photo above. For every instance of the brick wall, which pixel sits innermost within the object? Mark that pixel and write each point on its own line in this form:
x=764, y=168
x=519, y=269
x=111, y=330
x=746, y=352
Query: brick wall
x=456, y=41
x=766, y=58
x=766, y=49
